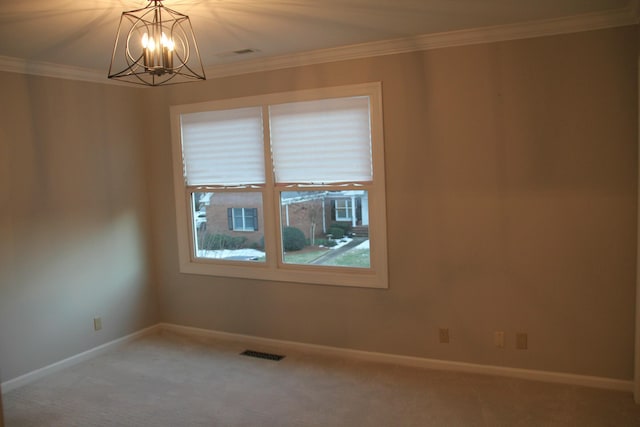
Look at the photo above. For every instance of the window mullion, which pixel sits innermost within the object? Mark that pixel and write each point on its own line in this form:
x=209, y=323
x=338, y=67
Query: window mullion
x=188, y=204
x=271, y=217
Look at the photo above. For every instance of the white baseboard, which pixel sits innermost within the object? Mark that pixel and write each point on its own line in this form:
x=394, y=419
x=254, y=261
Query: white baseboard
x=418, y=362
x=527, y=374
x=81, y=357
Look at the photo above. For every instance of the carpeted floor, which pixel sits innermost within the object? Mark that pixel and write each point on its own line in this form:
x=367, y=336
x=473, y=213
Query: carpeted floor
x=171, y=380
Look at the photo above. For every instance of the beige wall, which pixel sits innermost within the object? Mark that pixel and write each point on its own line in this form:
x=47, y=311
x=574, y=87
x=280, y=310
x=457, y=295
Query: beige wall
x=519, y=161
x=511, y=188
x=73, y=220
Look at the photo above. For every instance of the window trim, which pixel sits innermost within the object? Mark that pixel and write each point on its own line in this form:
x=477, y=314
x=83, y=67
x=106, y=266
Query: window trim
x=274, y=269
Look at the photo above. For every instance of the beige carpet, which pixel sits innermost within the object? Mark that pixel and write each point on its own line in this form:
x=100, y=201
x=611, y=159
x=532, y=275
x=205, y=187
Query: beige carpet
x=170, y=380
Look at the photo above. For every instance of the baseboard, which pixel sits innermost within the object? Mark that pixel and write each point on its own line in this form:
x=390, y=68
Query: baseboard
x=418, y=362
x=81, y=357
x=527, y=374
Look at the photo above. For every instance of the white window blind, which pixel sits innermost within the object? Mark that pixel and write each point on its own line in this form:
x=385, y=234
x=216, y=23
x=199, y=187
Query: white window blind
x=223, y=147
x=323, y=141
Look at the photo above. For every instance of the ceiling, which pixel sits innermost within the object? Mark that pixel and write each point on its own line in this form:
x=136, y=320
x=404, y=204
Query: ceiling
x=81, y=34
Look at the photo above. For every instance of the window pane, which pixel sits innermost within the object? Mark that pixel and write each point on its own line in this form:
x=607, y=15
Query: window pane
x=325, y=227
x=207, y=138
x=321, y=141
x=226, y=225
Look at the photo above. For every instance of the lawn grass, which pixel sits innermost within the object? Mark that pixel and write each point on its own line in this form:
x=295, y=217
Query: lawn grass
x=353, y=258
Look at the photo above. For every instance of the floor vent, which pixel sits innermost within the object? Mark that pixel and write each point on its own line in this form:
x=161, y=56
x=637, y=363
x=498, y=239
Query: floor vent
x=261, y=355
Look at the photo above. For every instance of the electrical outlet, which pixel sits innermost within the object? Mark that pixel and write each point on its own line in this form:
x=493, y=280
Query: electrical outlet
x=498, y=339
x=521, y=341
x=444, y=335
x=97, y=323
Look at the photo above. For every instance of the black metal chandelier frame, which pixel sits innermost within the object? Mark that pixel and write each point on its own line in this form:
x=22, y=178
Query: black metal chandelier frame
x=154, y=46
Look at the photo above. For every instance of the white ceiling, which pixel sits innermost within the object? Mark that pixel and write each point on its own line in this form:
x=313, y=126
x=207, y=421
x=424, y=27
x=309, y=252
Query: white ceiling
x=81, y=34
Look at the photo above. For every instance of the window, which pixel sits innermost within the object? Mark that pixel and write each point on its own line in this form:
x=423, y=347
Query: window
x=243, y=219
x=343, y=210
x=286, y=187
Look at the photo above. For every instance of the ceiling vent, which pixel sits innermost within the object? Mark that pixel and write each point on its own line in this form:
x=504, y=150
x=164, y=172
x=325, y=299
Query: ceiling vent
x=238, y=52
x=261, y=355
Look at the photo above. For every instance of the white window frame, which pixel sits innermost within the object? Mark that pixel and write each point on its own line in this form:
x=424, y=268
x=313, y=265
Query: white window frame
x=274, y=269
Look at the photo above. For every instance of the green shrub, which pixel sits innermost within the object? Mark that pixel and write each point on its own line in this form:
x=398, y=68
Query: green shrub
x=345, y=226
x=293, y=239
x=326, y=242
x=258, y=245
x=336, y=232
x=214, y=242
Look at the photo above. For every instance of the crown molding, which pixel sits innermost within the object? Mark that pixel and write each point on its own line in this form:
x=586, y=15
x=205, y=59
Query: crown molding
x=549, y=27
x=628, y=15
x=48, y=69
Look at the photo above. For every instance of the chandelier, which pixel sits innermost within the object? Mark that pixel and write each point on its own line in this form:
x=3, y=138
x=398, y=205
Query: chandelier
x=154, y=46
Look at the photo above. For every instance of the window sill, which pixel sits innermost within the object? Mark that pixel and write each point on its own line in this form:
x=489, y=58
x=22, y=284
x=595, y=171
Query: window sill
x=338, y=276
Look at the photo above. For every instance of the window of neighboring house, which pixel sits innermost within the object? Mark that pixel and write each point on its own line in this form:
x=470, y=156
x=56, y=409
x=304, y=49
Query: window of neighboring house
x=343, y=210
x=306, y=166
x=243, y=219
